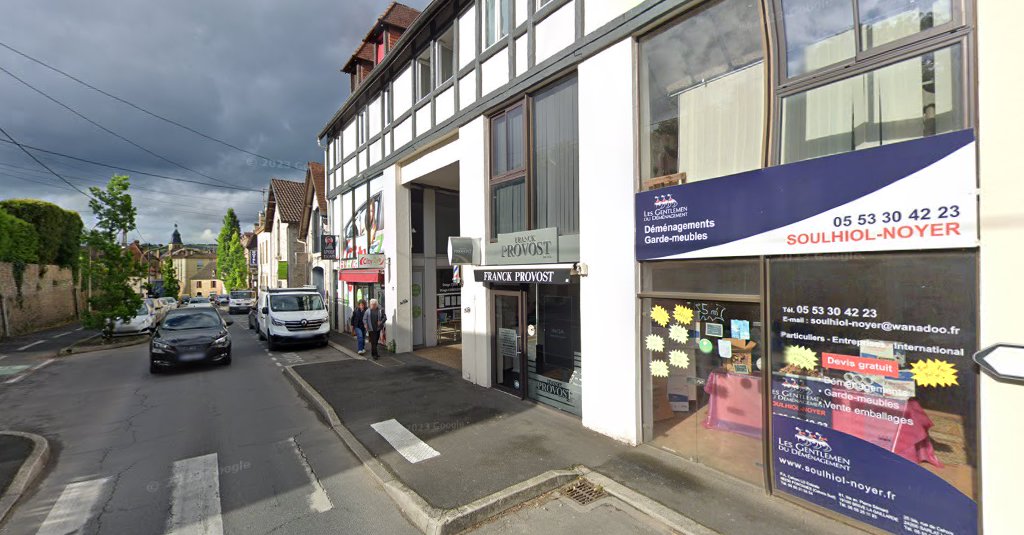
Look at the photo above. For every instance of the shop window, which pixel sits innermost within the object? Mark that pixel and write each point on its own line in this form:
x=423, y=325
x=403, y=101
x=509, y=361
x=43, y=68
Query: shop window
x=539, y=189
x=914, y=98
x=496, y=20
x=423, y=80
x=702, y=95
x=820, y=33
x=445, y=47
x=555, y=157
x=730, y=277
x=553, y=346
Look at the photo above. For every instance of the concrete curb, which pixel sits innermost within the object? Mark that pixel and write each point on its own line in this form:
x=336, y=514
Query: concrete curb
x=647, y=506
x=27, y=474
x=75, y=349
x=435, y=521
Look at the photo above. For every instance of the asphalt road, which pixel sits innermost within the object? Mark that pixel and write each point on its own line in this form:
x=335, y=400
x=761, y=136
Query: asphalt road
x=206, y=450
x=19, y=356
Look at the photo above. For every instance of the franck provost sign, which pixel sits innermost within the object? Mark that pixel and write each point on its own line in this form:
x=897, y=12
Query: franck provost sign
x=919, y=194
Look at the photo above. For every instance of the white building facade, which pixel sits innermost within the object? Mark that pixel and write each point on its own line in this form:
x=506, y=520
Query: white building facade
x=652, y=243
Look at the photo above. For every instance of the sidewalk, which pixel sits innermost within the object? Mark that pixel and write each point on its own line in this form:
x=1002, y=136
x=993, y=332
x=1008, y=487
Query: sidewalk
x=348, y=341
x=489, y=441
x=13, y=452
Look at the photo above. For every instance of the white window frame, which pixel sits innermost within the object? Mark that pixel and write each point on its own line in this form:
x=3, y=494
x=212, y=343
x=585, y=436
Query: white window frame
x=495, y=11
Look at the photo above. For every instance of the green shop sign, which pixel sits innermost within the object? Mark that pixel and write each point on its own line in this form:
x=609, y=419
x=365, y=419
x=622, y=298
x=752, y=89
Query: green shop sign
x=282, y=269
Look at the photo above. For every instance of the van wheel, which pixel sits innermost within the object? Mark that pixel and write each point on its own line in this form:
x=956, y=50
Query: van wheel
x=260, y=333
x=270, y=344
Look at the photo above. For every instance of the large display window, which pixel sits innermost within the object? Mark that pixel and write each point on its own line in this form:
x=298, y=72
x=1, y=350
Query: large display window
x=873, y=391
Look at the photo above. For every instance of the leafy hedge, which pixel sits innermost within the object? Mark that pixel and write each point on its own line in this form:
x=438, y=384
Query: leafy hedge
x=18, y=240
x=59, y=231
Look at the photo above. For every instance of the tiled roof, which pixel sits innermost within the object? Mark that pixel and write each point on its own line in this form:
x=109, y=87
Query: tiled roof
x=288, y=199
x=248, y=239
x=396, y=14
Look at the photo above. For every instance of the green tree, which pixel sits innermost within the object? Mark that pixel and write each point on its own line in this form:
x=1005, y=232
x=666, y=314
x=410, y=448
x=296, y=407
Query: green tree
x=230, y=225
x=171, y=283
x=110, y=267
x=113, y=208
x=237, y=274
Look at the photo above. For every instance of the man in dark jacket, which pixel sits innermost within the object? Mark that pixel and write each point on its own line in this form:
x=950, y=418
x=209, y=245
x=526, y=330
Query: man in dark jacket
x=374, y=320
x=357, y=326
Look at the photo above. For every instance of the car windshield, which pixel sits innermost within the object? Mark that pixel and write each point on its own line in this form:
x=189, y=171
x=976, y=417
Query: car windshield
x=241, y=294
x=142, y=311
x=199, y=300
x=296, y=302
x=190, y=320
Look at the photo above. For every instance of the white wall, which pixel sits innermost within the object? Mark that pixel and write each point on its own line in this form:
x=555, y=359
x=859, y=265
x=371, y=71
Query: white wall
x=611, y=395
x=597, y=13
x=467, y=89
x=397, y=250
x=555, y=32
x=375, y=117
x=444, y=105
x=476, y=347
x=494, y=72
x=1002, y=226
x=423, y=123
x=403, y=133
x=402, y=88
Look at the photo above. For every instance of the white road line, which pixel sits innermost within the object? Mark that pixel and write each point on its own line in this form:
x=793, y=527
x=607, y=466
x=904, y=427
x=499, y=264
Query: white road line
x=29, y=371
x=195, y=497
x=319, y=501
x=37, y=342
x=409, y=445
x=61, y=334
x=2, y=357
x=73, y=508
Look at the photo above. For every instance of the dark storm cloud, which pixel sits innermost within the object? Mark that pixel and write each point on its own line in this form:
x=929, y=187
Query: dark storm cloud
x=261, y=74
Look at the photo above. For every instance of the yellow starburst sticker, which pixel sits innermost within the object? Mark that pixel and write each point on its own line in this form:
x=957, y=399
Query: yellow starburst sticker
x=801, y=357
x=659, y=368
x=682, y=314
x=933, y=372
x=679, y=334
x=659, y=315
x=679, y=359
x=655, y=342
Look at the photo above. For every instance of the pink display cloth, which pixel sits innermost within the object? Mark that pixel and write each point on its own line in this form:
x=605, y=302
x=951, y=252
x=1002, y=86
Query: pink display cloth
x=896, y=425
x=735, y=403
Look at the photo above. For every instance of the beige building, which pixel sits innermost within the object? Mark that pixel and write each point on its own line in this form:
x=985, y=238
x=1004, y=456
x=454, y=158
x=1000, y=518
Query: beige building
x=194, y=268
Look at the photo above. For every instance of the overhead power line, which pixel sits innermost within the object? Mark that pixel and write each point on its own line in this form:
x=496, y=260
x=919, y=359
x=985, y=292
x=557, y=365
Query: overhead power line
x=144, y=110
x=122, y=168
x=99, y=182
x=30, y=155
x=109, y=131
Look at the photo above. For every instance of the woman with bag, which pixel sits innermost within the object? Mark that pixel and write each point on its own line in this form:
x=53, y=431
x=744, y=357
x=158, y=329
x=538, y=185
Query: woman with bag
x=357, y=325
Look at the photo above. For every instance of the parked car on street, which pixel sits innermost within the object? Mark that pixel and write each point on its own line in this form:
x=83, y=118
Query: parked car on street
x=170, y=303
x=142, y=322
x=189, y=335
x=254, y=318
x=185, y=299
x=157, y=306
x=292, y=315
x=223, y=299
x=241, y=301
x=199, y=301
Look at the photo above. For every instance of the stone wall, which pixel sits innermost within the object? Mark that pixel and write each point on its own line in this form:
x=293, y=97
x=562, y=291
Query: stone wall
x=48, y=299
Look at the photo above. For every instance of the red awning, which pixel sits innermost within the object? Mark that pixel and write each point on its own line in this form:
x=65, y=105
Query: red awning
x=362, y=275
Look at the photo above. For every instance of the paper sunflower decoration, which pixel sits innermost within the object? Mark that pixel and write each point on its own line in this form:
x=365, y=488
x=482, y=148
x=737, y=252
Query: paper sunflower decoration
x=678, y=333
x=679, y=358
x=684, y=315
x=929, y=372
x=659, y=315
x=655, y=342
x=659, y=368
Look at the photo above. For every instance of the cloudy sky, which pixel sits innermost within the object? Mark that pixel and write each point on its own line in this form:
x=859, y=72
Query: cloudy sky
x=260, y=74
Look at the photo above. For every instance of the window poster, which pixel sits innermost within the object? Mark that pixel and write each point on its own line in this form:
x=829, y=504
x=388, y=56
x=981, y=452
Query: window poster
x=873, y=391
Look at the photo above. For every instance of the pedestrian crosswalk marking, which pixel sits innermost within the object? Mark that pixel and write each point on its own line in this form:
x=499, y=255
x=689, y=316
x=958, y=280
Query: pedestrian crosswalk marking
x=318, y=500
x=73, y=508
x=409, y=445
x=195, y=497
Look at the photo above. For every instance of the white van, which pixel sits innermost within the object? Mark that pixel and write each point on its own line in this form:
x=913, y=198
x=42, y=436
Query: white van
x=292, y=315
x=241, y=301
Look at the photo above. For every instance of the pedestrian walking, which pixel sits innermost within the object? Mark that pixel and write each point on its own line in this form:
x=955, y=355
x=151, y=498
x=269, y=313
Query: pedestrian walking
x=357, y=326
x=374, y=321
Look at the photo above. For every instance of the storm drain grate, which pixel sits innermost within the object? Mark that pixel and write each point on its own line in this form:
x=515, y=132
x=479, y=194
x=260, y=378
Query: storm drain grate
x=583, y=492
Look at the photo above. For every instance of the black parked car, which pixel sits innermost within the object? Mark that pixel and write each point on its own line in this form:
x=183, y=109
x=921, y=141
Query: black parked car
x=188, y=335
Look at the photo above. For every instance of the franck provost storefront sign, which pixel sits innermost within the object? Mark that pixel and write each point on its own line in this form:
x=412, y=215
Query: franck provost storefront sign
x=919, y=194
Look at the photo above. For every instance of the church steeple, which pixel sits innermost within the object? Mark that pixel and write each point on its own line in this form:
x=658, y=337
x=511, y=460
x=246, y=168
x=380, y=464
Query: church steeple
x=176, y=237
